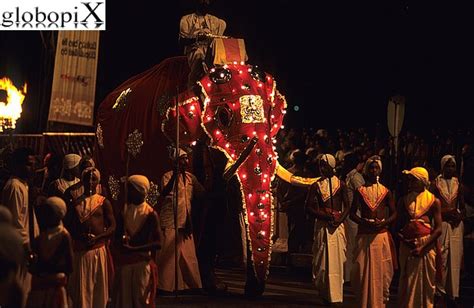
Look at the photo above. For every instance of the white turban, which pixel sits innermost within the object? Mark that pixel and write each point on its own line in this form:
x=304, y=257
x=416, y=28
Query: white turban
x=329, y=159
x=58, y=205
x=91, y=170
x=374, y=158
x=140, y=182
x=71, y=161
x=445, y=159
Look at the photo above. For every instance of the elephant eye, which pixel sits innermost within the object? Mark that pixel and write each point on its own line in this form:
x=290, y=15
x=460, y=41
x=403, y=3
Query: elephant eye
x=258, y=74
x=224, y=116
x=220, y=75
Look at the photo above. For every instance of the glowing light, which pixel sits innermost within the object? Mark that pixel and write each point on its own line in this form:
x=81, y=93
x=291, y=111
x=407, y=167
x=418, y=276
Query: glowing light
x=265, y=176
x=242, y=62
x=209, y=118
x=227, y=145
x=272, y=116
x=244, y=176
x=222, y=75
x=226, y=66
x=250, y=196
x=282, y=127
x=267, y=195
x=260, y=85
x=264, y=180
x=283, y=111
x=192, y=107
x=193, y=143
x=274, y=141
x=249, y=70
x=218, y=132
x=208, y=84
x=240, y=72
x=252, y=213
x=235, y=62
x=275, y=125
x=213, y=70
x=296, y=108
x=254, y=133
x=10, y=111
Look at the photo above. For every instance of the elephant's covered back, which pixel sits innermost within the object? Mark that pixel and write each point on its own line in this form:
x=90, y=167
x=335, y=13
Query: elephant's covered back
x=137, y=105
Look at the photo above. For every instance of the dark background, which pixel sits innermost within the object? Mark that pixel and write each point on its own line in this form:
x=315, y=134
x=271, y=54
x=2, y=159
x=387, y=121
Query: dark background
x=339, y=61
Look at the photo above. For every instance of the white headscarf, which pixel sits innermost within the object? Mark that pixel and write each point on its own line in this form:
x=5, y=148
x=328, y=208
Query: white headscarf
x=374, y=158
x=58, y=205
x=328, y=158
x=445, y=159
x=71, y=161
x=140, y=182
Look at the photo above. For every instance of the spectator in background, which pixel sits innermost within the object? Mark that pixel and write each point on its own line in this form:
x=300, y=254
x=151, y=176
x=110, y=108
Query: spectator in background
x=293, y=203
x=12, y=263
x=354, y=180
x=15, y=197
x=52, y=263
x=69, y=176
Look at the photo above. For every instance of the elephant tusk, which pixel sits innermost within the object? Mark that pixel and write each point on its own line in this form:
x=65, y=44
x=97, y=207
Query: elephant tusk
x=288, y=177
x=232, y=168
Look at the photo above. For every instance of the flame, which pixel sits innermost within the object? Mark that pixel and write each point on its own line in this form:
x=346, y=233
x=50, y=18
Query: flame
x=10, y=111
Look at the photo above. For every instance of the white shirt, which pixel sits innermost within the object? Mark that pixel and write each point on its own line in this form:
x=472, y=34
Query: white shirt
x=15, y=197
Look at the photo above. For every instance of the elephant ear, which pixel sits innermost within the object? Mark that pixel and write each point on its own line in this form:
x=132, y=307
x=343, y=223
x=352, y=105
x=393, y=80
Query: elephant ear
x=277, y=113
x=189, y=110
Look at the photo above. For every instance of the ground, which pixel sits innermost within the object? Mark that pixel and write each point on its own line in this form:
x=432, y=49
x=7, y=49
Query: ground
x=285, y=288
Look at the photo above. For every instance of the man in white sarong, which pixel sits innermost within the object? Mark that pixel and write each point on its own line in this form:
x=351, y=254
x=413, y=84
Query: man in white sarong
x=374, y=254
x=136, y=279
x=448, y=190
x=416, y=213
x=92, y=223
x=327, y=200
x=195, y=33
x=15, y=197
x=188, y=269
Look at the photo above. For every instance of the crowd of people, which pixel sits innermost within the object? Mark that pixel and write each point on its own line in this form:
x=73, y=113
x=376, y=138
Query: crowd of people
x=355, y=216
x=65, y=245
x=63, y=242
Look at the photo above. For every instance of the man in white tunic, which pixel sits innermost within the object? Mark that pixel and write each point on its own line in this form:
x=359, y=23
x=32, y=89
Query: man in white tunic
x=188, y=269
x=448, y=190
x=15, y=198
x=195, y=33
x=327, y=200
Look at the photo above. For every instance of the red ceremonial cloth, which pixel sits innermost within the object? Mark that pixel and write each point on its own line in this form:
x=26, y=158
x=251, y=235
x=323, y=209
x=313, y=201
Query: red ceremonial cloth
x=141, y=112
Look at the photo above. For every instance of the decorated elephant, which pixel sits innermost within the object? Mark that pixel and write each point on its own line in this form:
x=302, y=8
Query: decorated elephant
x=236, y=107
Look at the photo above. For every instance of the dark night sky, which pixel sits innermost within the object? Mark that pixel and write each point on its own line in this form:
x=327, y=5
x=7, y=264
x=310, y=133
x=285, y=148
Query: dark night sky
x=339, y=61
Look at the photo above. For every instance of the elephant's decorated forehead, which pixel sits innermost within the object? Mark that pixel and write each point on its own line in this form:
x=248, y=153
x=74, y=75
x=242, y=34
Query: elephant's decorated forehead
x=241, y=87
x=241, y=103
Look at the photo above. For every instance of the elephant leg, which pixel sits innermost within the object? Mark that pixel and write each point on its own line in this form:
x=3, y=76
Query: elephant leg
x=253, y=287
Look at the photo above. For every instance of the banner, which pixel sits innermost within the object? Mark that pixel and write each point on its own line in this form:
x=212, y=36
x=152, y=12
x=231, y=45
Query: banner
x=74, y=79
